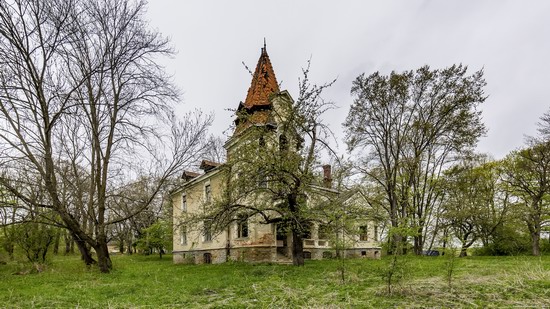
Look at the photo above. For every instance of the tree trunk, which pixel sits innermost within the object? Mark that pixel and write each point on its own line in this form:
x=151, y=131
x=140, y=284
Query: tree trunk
x=418, y=243
x=103, y=258
x=56, y=243
x=463, y=251
x=535, y=243
x=297, y=248
x=85, y=253
x=121, y=245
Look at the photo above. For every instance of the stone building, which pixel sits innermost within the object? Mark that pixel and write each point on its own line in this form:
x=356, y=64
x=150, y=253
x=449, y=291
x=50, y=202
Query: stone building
x=248, y=239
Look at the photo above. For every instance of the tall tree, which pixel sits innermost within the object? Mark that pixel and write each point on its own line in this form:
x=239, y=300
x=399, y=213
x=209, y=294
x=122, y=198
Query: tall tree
x=527, y=173
x=80, y=86
x=409, y=126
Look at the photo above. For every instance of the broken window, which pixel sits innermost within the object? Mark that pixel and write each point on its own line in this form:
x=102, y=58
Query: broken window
x=242, y=227
x=363, y=233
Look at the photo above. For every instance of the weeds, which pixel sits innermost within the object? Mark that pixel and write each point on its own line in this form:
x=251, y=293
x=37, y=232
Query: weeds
x=139, y=281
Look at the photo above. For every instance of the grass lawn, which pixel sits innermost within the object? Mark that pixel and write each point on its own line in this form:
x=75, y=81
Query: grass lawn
x=147, y=282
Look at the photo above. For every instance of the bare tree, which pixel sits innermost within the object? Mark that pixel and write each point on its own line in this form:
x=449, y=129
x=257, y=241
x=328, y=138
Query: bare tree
x=81, y=95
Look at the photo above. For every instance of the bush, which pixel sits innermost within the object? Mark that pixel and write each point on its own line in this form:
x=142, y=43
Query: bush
x=507, y=241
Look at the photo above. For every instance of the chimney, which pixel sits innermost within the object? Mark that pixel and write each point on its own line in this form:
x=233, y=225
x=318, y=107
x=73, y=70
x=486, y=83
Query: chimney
x=327, y=176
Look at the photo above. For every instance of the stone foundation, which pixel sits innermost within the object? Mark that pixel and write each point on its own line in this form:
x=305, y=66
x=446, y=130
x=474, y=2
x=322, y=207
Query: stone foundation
x=263, y=255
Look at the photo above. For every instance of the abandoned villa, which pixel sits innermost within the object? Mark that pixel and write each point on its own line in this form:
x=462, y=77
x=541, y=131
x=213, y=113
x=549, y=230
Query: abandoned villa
x=250, y=238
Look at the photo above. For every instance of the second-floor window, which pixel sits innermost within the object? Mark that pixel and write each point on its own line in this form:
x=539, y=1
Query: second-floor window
x=207, y=232
x=207, y=193
x=183, y=235
x=183, y=203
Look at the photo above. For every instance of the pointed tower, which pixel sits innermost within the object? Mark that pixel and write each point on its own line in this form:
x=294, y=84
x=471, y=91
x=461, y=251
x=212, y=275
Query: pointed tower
x=257, y=106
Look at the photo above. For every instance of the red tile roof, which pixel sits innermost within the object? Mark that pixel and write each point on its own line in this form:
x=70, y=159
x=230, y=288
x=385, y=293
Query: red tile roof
x=264, y=83
x=255, y=109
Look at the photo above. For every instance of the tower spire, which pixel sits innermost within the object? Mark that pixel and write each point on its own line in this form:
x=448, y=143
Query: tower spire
x=264, y=82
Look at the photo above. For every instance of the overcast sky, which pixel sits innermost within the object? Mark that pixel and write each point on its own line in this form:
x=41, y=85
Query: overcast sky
x=510, y=40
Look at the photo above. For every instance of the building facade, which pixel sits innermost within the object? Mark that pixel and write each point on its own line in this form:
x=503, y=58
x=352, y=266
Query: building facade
x=251, y=239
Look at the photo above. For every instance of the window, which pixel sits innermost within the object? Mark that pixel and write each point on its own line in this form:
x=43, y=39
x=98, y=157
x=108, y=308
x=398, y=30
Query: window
x=207, y=258
x=207, y=193
x=207, y=230
x=363, y=233
x=184, y=203
x=242, y=227
x=183, y=235
x=375, y=233
x=283, y=143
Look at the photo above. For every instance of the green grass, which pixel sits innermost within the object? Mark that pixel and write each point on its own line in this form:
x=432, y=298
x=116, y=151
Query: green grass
x=147, y=282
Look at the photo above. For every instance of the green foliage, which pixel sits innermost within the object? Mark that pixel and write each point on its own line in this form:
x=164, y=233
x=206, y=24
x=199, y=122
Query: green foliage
x=478, y=282
x=156, y=238
x=510, y=239
x=406, y=127
x=35, y=239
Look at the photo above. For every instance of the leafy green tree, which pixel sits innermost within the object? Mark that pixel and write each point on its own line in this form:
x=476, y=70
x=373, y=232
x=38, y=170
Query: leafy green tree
x=406, y=128
x=527, y=174
x=156, y=238
x=474, y=205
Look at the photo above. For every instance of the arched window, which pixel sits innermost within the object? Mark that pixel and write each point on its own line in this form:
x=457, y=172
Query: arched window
x=207, y=258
